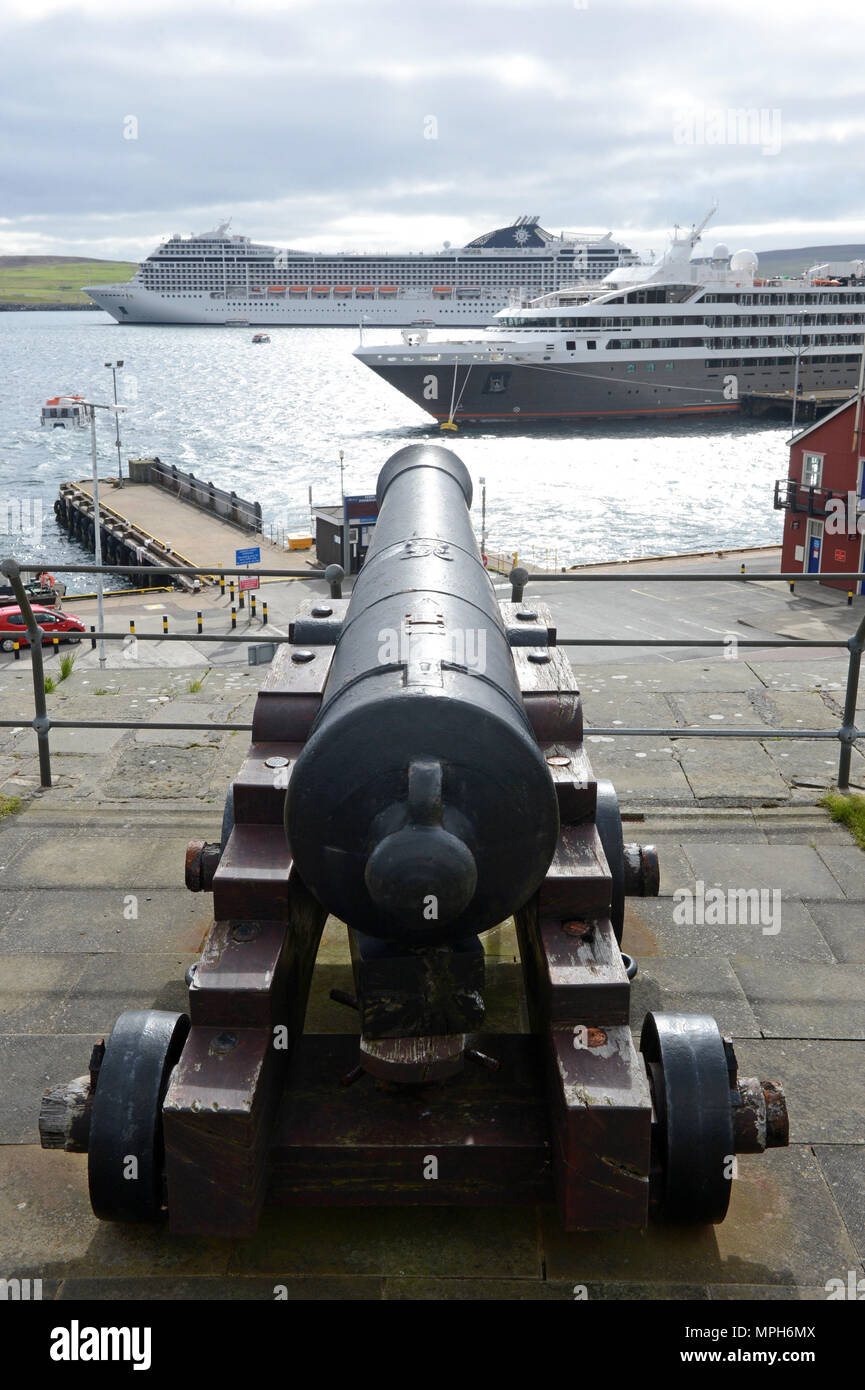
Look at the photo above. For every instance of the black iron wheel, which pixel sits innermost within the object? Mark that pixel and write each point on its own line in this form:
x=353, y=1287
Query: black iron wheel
x=692, y=1134
x=609, y=823
x=126, y=1153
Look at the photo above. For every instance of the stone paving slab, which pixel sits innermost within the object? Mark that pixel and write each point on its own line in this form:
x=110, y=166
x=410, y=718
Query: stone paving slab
x=720, y=770
x=695, y=985
x=47, y=1226
x=124, y=859
x=824, y=1082
x=468, y=1242
x=843, y=926
x=847, y=865
x=33, y=990
x=288, y=1289
x=796, y=871
x=109, y=984
x=843, y=1167
x=797, y=1000
x=639, y=768
x=28, y=1064
x=799, y=939
x=781, y=1191
x=87, y=920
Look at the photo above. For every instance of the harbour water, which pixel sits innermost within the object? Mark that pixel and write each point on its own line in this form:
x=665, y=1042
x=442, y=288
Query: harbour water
x=269, y=420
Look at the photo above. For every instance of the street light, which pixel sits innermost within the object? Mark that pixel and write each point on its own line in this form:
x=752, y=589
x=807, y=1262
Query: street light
x=114, y=365
x=91, y=408
x=346, y=530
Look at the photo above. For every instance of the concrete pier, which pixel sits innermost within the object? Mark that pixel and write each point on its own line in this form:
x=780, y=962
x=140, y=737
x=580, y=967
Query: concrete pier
x=147, y=524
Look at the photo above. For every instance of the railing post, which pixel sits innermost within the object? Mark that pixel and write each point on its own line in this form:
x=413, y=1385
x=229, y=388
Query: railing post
x=847, y=732
x=334, y=575
x=519, y=578
x=41, y=723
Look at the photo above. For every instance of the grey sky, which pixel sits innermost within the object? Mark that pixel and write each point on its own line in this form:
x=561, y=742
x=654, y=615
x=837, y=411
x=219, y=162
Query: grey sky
x=305, y=120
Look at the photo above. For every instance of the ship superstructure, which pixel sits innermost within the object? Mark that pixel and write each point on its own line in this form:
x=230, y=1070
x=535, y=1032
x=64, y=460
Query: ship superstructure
x=681, y=336
x=222, y=278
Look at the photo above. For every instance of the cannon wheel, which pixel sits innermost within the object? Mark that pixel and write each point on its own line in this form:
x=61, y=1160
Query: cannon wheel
x=692, y=1130
x=609, y=824
x=126, y=1122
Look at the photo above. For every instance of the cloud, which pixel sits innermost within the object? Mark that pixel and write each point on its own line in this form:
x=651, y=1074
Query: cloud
x=307, y=120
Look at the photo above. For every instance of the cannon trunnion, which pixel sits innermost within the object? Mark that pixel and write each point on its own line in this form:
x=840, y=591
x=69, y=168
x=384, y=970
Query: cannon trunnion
x=417, y=770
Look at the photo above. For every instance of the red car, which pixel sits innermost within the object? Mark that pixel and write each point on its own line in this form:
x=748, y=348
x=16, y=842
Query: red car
x=53, y=623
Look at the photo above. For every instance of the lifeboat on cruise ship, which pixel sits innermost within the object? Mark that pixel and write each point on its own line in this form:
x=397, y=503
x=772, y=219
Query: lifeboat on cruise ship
x=387, y=289
x=298, y=289
x=320, y=289
x=365, y=289
x=276, y=289
x=256, y=291
x=442, y=289
x=342, y=289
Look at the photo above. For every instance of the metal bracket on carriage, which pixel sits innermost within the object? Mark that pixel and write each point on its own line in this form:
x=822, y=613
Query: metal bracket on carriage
x=291, y=695
x=528, y=624
x=318, y=622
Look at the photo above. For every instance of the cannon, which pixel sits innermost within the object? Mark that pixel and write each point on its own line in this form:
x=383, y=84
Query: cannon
x=417, y=771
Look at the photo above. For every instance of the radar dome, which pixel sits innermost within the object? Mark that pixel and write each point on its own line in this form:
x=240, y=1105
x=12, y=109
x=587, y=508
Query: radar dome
x=720, y=252
x=744, y=260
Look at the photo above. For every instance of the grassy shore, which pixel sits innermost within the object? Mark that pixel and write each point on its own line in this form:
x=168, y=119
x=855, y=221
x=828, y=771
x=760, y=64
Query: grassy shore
x=39, y=282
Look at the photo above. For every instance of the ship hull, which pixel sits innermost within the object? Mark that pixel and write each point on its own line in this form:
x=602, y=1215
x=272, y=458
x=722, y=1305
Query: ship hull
x=131, y=304
x=513, y=392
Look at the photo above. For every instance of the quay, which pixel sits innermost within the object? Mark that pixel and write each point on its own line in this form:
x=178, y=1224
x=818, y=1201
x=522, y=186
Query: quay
x=808, y=407
x=162, y=516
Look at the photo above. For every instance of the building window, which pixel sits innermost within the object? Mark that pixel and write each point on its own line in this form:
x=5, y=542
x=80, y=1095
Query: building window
x=812, y=469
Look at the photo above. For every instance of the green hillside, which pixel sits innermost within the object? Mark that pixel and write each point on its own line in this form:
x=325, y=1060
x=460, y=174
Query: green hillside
x=43, y=282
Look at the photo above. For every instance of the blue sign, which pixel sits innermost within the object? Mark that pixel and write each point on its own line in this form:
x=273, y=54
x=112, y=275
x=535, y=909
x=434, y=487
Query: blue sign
x=248, y=557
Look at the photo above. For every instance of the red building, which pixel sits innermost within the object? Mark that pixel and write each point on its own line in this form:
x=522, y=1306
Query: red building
x=824, y=498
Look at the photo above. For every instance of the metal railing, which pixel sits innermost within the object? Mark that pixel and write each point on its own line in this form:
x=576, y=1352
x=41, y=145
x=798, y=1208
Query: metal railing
x=847, y=734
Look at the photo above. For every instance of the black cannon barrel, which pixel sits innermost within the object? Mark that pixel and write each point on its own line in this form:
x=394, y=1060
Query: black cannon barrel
x=421, y=809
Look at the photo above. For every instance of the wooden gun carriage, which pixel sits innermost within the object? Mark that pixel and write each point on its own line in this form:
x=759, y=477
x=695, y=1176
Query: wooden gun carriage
x=417, y=768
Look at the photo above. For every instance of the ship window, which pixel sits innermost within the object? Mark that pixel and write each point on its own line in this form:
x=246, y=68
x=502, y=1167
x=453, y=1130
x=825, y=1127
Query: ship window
x=591, y=343
x=630, y=367
x=571, y=346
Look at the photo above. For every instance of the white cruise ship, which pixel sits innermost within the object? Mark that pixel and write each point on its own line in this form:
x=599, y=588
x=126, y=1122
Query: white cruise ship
x=222, y=278
x=679, y=337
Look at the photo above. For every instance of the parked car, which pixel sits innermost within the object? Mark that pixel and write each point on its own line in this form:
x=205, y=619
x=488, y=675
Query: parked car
x=13, y=626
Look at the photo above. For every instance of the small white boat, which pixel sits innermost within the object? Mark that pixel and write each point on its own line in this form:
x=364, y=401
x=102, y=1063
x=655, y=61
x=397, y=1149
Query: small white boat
x=261, y=337
x=65, y=412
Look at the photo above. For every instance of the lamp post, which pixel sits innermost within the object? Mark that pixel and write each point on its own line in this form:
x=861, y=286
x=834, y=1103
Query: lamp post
x=346, y=529
x=483, y=483
x=118, y=362
x=91, y=407
x=802, y=316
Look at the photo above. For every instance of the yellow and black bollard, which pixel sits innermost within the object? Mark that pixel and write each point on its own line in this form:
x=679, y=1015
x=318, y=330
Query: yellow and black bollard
x=222, y=586
x=164, y=622
x=849, y=598
x=55, y=642
x=16, y=647
x=792, y=586
x=264, y=613
x=252, y=605
x=200, y=621
x=92, y=639
x=132, y=626
x=233, y=617
x=242, y=600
